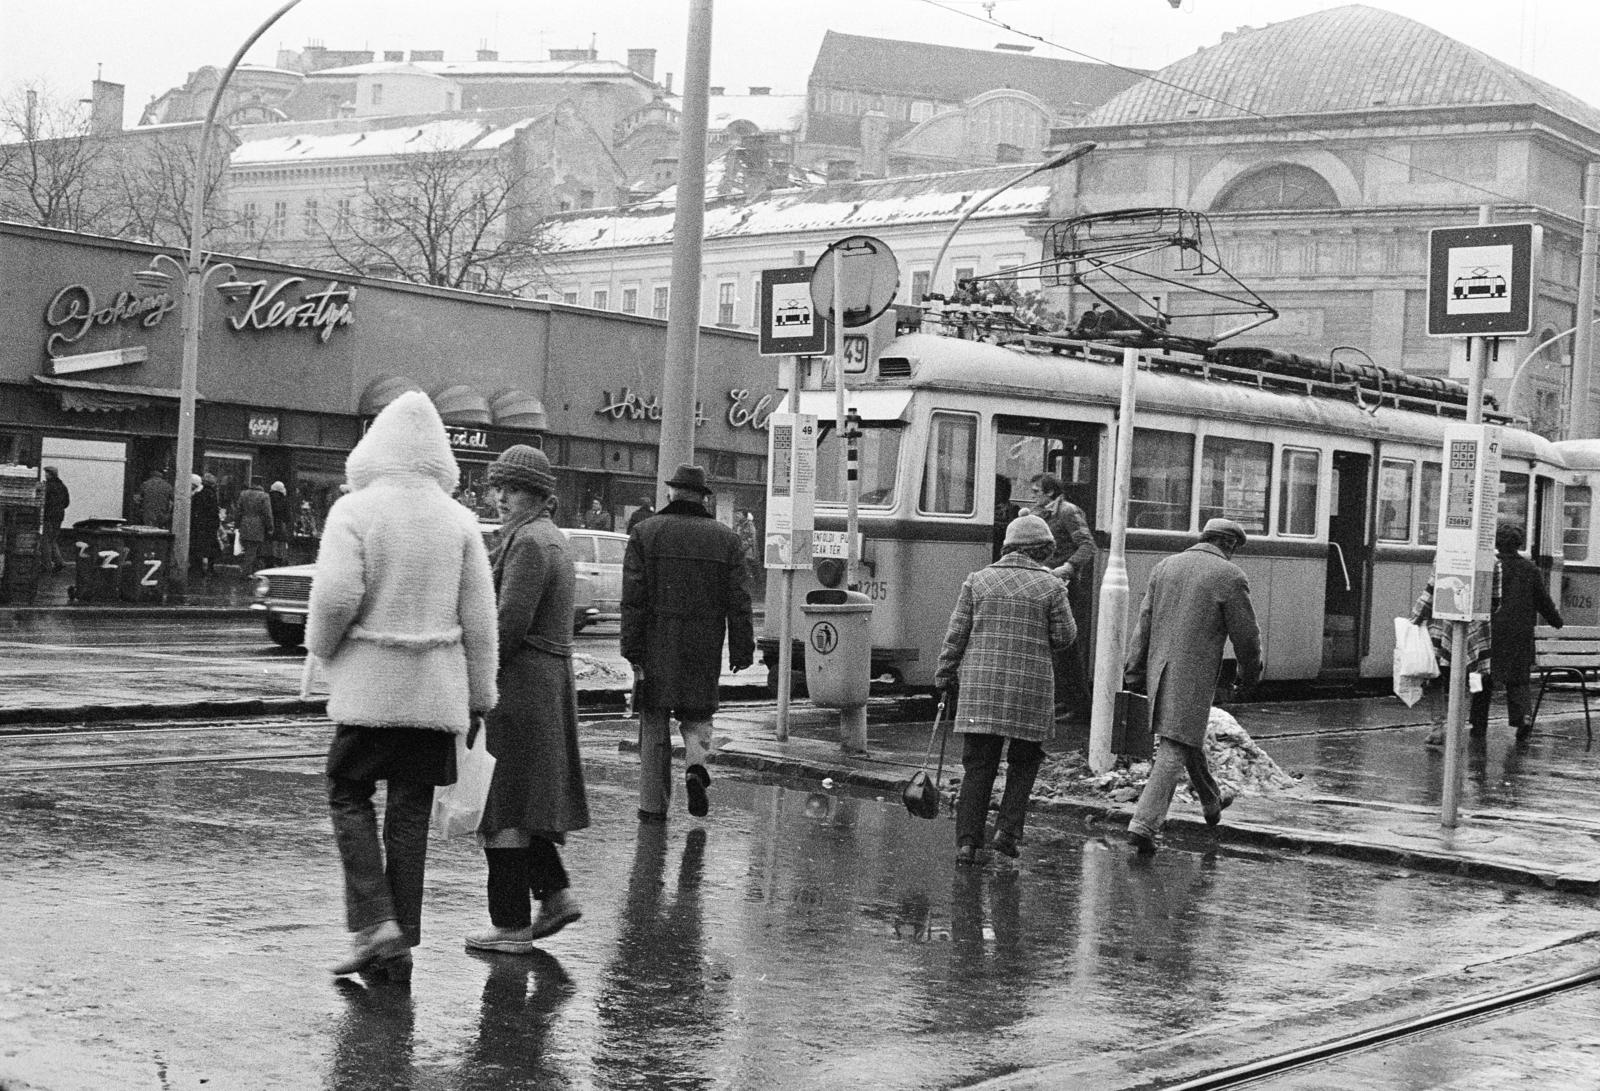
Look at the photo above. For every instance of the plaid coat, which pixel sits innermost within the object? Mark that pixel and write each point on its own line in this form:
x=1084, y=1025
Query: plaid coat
x=1008, y=618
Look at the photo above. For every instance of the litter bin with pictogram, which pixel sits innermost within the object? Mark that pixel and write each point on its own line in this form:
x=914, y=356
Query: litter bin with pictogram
x=144, y=566
x=838, y=640
x=98, y=549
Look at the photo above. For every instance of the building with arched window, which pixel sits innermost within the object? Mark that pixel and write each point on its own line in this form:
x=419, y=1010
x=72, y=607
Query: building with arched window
x=1323, y=149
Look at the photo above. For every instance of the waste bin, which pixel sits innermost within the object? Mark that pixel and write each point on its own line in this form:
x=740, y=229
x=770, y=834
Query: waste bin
x=838, y=636
x=98, y=548
x=144, y=565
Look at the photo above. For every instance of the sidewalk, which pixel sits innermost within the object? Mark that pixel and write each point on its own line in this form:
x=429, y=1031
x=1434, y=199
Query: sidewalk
x=224, y=592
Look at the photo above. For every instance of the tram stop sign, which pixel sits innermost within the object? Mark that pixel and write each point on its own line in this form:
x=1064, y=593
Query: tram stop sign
x=790, y=325
x=1481, y=280
x=870, y=277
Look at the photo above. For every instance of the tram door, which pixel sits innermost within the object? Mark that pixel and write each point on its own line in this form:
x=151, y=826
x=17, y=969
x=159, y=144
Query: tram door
x=1349, y=556
x=1025, y=446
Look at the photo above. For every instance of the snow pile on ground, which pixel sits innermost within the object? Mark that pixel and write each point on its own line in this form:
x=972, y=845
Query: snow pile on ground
x=587, y=666
x=1240, y=766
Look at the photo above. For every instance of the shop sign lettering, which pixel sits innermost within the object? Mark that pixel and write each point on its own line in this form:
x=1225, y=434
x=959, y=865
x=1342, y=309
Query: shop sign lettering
x=74, y=311
x=743, y=413
x=323, y=311
x=468, y=439
x=629, y=405
x=262, y=426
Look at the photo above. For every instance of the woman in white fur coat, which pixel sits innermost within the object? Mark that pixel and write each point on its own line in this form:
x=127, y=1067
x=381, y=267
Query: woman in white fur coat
x=402, y=614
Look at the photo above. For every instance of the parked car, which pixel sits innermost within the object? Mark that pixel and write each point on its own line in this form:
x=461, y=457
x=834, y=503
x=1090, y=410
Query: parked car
x=282, y=595
x=597, y=559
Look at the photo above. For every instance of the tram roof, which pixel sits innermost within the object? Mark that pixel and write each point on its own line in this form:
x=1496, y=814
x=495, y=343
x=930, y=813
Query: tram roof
x=955, y=364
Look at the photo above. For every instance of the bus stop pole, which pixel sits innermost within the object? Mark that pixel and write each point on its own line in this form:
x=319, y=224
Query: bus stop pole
x=1111, y=632
x=786, y=619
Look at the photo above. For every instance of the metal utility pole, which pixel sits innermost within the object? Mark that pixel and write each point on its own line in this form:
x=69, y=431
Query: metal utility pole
x=678, y=394
x=1580, y=420
x=1111, y=631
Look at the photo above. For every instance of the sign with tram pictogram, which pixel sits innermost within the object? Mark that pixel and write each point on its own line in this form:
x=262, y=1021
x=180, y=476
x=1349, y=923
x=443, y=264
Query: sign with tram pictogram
x=789, y=324
x=1481, y=280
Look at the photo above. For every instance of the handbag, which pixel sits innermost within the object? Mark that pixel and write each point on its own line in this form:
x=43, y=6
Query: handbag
x=921, y=793
x=458, y=807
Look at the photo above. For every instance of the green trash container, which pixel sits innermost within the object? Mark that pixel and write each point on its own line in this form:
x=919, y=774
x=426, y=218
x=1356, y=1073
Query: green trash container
x=144, y=568
x=98, y=549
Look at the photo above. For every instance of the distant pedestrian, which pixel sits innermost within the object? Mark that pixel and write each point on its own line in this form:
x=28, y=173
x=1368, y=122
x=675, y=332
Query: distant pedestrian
x=155, y=500
x=1009, y=620
x=597, y=517
x=253, y=521
x=205, y=526
x=537, y=795
x=1196, y=602
x=750, y=543
x=57, y=498
x=282, y=525
x=683, y=588
x=402, y=613
x=644, y=511
x=1073, y=561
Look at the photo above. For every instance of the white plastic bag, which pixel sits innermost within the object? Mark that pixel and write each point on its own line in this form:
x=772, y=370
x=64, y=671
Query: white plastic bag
x=458, y=808
x=1414, y=662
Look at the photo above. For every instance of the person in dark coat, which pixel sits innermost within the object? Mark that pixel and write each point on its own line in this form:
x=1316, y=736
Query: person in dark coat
x=1523, y=600
x=255, y=524
x=1072, y=560
x=1196, y=602
x=683, y=588
x=57, y=499
x=203, y=525
x=282, y=525
x=644, y=511
x=155, y=500
x=537, y=794
x=1009, y=620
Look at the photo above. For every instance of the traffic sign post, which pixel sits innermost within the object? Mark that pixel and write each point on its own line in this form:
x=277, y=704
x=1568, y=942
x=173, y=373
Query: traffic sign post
x=1482, y=280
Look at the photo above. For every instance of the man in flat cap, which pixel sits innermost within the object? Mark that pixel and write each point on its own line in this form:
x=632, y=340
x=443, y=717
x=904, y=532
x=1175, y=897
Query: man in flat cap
x=1197, y=601
x=683, y=587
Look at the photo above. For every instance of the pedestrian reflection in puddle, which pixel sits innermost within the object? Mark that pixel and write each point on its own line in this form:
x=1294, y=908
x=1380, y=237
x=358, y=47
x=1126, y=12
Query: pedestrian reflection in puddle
x=372, y=1044
x=522, y=997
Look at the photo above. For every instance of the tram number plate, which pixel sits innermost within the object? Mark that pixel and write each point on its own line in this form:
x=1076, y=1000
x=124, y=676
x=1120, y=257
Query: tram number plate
x=876, y=590
x=833, y=543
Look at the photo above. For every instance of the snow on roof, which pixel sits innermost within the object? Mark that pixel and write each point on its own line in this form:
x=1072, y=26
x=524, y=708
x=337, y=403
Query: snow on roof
x=769, y=113
x=914, y=199
x=309, y=145
x=454, y=69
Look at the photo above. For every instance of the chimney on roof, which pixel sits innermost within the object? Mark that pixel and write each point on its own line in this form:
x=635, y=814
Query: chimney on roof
x=427, y=55
x=875, y=144
x=761, y=90
x=394, y=55
x=667, y=86
x=488, y=54
x=643, y=63
x=717, y=90
x=105, y=108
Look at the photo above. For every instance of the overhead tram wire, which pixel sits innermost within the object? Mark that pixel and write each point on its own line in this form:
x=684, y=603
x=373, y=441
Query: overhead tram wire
x=1502, y=198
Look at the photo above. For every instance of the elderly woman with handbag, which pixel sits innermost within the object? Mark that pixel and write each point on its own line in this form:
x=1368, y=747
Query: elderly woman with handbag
x=537, y=794
x=402, y=616
x=1010, y=620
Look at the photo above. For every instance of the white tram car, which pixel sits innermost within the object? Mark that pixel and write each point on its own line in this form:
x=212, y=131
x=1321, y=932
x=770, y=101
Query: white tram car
x=1334, y=472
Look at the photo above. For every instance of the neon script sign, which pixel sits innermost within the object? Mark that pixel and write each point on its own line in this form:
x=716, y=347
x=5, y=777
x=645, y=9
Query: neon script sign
x=74, y=312
x=323, y=311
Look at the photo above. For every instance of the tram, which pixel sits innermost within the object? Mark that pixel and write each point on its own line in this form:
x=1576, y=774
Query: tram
x=1580, y=537
x=1333, y=470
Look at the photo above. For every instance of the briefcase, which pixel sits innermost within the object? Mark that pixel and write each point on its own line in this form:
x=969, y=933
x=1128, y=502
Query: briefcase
x=1130, y=725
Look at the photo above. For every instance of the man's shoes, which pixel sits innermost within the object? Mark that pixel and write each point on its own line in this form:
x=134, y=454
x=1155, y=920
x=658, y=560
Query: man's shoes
x=507, y=941
x=966, y=855
x=695, y=782
x=651, y=816
x=382, y=942
x=1524, y=732
x=555, y=913
x=1214, y=815
x=1143, y=842
x=389, y=971
x=1005, y=843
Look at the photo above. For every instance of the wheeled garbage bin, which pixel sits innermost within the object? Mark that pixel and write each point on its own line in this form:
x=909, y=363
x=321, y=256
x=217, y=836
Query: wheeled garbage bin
x=98, y=549
x=144, y=568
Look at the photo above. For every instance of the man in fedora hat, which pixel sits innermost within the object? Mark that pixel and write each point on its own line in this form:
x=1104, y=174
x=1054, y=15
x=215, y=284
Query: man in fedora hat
x=1197, y=601
x=683, y=587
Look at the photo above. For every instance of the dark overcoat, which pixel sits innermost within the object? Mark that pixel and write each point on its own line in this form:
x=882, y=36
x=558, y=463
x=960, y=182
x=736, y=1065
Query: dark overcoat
x=205, y=524
x=1197, y=601
x=1523, y=600
x=254, y=515
x=683, y=589
x=533, y=732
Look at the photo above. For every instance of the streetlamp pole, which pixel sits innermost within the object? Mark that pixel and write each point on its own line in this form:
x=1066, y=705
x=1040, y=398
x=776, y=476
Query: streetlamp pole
x=1077, y=151
x=195, y=272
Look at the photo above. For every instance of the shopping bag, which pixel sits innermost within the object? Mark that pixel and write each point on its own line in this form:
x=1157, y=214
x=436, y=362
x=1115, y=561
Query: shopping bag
x=458, y=807
x=1414, y=662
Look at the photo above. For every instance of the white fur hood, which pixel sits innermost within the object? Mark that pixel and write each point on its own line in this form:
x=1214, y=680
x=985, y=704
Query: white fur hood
x=407, y=439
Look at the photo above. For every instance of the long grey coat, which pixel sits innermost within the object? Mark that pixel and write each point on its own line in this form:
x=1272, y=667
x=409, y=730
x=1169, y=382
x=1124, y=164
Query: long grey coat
x=533, y=732
x=1008, y=619
x=1196, y=602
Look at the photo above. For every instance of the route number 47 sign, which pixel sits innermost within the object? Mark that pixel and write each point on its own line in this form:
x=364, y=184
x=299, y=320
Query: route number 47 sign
x=791, y=489
x=1463, y=575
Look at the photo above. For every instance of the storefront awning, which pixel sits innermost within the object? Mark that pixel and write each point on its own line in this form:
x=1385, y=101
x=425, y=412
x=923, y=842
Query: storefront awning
x=462, y=405
x=518, y=409
x=878, y=405
x=92, y=397
x=381, y=391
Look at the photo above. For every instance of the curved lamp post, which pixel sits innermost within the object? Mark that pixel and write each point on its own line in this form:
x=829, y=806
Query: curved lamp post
x=1077, y=151
x=1516, y=376
x=195, y=271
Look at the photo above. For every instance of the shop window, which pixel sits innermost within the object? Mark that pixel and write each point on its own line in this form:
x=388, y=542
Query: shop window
x=643, y=460
x=949, y=477
x=1428, y=504
x=1394, y=499
x=724, y=464
x=1576, y=503
x=584, y=454
x=1163, y=480
x=658, y=306
x=232, y=471
x=630, y=301
x=1297, y=492
x=1235, y=475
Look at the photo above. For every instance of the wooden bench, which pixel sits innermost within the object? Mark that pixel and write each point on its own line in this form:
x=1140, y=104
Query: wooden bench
x=1571, y=652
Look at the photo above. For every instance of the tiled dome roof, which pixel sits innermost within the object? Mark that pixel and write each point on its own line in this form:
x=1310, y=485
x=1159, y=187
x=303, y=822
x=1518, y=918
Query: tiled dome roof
x=1344, y=59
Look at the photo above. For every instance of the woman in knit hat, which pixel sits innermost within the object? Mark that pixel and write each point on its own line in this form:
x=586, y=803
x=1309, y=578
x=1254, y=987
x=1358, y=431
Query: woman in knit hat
x=402, y=614
x=537, y=795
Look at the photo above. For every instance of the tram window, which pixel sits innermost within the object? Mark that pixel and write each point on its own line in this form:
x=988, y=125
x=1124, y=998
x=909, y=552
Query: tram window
x=1514, y=499
x=1575, y=507
x=1235, y=475
x=1297, y=492
x=1163, y=480
x=1428, y=508
x=1394, y=499
x=950, y=475
x=878, y=465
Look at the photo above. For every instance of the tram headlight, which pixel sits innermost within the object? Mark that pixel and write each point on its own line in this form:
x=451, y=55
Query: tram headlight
x=830, y=572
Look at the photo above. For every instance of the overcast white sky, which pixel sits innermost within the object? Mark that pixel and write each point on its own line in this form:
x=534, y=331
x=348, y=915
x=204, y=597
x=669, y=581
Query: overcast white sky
x=151, y=46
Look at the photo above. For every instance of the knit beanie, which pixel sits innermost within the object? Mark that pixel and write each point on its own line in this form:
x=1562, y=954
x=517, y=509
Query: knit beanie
x=524, y=467
x=1028, y=530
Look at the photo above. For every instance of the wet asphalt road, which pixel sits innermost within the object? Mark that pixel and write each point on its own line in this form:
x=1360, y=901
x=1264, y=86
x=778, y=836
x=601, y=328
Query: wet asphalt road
x=166, y=927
